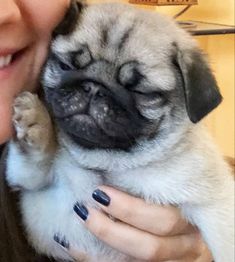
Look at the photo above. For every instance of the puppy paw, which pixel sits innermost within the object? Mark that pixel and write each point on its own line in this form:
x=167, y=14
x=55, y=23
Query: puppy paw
x=32, y=122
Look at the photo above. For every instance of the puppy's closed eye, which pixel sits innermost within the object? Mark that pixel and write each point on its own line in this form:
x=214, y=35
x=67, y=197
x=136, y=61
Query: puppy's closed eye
x=82, y=57
x=129, y=75
x=64, y=66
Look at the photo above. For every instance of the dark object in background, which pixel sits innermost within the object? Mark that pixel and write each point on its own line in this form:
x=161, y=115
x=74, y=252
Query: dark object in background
x=13, y=245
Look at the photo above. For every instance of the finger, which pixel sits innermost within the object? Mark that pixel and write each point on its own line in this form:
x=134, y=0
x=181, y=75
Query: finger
x=134, y=242
x=158, y=220
x=206, y=255
x=70, y=249
x=202, y=255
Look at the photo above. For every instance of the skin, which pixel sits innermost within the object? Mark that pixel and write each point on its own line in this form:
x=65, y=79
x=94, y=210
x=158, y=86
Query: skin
x=146, y=232
x=21, y=26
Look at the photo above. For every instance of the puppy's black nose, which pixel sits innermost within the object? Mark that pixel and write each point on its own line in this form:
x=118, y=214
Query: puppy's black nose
x=93, y=90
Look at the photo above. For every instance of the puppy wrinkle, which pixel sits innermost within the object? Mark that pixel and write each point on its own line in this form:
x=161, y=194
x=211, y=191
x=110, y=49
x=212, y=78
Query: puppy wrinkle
x=104, y=37
x=154, y=131
x=125, y=38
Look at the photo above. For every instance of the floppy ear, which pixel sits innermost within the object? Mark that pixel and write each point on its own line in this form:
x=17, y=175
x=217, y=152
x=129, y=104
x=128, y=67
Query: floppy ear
x=200, y=88
x=70, y=19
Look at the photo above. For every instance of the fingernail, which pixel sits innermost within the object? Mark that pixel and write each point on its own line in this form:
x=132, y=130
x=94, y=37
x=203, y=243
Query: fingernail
x=61, y=240
x=81, y=211
x=101, y=197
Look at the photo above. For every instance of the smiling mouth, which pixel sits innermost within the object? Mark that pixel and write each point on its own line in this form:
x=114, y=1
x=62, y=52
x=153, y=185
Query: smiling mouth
x=8, y=60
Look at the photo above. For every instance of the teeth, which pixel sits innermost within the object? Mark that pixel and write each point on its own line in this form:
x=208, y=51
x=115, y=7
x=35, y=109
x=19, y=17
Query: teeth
x=5, y=61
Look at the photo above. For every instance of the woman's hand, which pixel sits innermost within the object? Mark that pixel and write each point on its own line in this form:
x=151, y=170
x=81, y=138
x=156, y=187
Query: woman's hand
x=144, y=231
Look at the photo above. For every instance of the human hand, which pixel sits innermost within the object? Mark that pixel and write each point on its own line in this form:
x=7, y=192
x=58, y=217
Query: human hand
x=143, y=231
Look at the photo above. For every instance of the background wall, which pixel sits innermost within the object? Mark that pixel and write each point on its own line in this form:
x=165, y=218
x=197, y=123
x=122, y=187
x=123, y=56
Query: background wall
x=214, y=11
x=220, y=50
x=208, y=10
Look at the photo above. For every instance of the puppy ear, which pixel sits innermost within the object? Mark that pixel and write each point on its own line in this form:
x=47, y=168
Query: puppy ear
x=70, y=19
x=200, y=88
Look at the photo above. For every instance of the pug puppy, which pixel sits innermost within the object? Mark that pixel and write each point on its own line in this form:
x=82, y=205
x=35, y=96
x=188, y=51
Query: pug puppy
x=126, y=90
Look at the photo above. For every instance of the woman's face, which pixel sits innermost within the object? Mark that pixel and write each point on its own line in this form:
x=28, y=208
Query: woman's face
x=25, y=29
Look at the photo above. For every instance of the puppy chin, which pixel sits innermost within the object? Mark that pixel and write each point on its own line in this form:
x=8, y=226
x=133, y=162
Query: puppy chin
x=85, y=132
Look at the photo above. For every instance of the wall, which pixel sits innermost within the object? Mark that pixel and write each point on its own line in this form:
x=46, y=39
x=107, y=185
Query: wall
x=220, y=50
x=221, y=122
x=214, y=11
x=208, y=10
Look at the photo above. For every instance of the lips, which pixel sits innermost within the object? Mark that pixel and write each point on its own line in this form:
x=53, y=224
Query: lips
x=5, y=61
x=8, y=57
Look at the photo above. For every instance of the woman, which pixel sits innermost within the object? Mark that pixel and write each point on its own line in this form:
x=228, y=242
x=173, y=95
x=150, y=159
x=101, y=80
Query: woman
x=148, y=232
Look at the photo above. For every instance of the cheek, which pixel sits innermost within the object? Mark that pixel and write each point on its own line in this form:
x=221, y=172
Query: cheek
x=151, y=109
x=45, y=14
x=5, y=116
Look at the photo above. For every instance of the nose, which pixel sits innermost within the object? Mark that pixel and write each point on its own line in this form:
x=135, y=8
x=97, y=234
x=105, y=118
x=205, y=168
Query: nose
x=9, y=12
x=95, y=91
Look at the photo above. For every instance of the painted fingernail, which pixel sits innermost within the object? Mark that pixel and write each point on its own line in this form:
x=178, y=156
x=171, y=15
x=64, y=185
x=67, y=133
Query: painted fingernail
x=61, y=241
x=101, y=197
x=81, y=211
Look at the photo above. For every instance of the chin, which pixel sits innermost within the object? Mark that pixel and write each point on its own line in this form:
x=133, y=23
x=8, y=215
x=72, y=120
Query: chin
x=84, y=131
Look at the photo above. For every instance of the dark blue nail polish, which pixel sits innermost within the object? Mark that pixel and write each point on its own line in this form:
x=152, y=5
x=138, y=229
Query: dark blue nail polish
x=61, y=240
x=101, y=197
x=81, y=211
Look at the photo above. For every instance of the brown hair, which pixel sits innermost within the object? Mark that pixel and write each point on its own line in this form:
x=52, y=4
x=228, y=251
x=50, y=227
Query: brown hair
x=13, y=244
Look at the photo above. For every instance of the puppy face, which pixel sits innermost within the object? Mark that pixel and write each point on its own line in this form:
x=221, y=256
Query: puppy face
x=123, y=75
